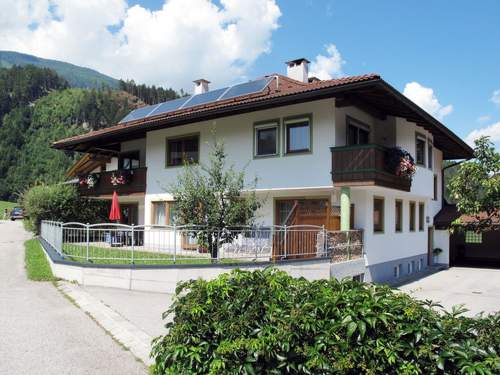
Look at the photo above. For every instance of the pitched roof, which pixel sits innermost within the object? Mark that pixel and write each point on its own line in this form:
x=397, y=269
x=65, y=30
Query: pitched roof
x=280, y=91
x=450, y=213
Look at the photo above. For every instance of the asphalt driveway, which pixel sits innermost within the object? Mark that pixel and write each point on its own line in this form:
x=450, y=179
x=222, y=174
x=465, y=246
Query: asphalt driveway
x=477, y=288
x=41, y=332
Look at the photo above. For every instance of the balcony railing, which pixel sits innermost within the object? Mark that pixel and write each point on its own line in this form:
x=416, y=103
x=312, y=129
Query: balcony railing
x=365, y=165
x=133, y=181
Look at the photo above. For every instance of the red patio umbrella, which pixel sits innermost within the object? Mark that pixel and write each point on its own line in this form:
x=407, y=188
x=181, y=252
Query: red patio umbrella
x=115, y=213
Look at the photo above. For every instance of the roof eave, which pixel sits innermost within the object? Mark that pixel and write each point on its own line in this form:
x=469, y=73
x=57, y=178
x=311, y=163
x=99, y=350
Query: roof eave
x=140, y=127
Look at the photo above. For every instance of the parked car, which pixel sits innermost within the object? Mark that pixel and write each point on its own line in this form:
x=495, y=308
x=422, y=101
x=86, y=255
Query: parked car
x=17, y=213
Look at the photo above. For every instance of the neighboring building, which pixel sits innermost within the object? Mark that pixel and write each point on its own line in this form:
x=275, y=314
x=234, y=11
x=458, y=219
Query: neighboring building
x=467, y=247
x=312, y=144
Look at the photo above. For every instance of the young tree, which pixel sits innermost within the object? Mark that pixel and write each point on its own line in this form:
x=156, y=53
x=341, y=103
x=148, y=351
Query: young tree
x=476, y=186
x=211, y=196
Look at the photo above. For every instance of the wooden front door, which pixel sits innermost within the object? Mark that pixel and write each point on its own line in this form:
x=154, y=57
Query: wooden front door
x=303, y=216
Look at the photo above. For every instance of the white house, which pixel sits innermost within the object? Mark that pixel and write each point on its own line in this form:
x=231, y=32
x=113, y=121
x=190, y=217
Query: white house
x=318, y=147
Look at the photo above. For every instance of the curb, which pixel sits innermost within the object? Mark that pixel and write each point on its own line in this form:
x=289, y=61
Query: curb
x=122, y=330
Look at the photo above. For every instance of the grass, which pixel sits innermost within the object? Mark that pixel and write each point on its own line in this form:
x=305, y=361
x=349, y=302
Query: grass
x=37, y=266
x=6, y=205
x=124, y=256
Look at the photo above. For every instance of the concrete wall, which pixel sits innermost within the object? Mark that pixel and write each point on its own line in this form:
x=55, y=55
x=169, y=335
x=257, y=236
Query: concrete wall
x=165, y=280
x=442, y=241
x=423, y=181
x=389, y=245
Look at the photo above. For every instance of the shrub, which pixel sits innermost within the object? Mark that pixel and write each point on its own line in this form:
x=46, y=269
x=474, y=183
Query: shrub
x=60, y=203
x=266, y=322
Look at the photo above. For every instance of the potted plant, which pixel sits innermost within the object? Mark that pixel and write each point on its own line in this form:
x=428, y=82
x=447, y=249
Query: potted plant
x=92, y=180
x=120, y=178
x=400, y=162
x=435, y=254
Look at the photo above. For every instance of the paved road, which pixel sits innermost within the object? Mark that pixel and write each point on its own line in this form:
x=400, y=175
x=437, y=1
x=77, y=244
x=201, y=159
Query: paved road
x=477, y=288
x=41, y=332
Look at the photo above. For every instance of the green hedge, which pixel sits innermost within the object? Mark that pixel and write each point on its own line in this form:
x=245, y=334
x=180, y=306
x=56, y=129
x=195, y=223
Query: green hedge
x=266, y=322
x=60, y=203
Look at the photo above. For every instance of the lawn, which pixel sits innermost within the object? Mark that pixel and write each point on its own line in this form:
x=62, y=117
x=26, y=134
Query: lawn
x=37, y=266
x=108, y=255
x=6, y=205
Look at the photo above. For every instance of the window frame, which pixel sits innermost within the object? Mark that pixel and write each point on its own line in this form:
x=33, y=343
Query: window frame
x=351, y=121
x=421, y=216
x=376, y=231
x=168, y=207
x=471, y=237
x=421, y=137
x=430, y=154
x=435, y=192
x=400, y=202
x=290, y=120
x=267, y=124
x=177, y=138
x=412, y=216
x=129, y=155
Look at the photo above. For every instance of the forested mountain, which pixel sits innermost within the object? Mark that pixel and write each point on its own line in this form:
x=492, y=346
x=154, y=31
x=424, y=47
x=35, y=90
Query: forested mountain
x=149, y=94
x=76, y=76
x=38, y=107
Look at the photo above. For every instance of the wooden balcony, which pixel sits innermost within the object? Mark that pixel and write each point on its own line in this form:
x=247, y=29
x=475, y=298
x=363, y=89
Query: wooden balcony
x=135, y=183
x=364, y=165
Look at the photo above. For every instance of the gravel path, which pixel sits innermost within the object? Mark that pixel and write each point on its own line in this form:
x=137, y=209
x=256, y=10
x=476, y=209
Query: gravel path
x=41, y=332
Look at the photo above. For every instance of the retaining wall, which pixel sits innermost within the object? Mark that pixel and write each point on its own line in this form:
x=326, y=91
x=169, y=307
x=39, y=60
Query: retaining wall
x=156, y=278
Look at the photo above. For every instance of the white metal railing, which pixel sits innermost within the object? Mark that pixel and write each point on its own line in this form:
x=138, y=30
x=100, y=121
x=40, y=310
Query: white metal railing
x=150, y=244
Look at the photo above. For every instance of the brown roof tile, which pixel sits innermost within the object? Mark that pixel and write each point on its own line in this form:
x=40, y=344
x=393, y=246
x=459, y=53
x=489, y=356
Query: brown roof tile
x=279, y=86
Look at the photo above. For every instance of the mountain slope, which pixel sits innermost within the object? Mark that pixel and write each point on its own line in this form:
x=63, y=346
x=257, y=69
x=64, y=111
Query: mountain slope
x=77, y=76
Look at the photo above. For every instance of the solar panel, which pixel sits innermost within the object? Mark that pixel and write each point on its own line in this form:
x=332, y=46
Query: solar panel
x=199, y=99
x=205, y=98
x=139, y=113
x=246, y=88
x=169, y=106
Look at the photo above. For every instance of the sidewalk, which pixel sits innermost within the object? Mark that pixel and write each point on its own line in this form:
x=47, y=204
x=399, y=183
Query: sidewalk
x=42, y=332
x=132, y=318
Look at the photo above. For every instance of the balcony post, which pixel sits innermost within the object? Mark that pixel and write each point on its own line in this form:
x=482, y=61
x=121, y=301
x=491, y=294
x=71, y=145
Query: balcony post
x=345, y=208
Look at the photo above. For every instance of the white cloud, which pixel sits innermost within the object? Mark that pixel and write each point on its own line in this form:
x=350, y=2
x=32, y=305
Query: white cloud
x=329, y=66
x=425, y=98
x=495, y=97
x=484, y=118
x=493, y=131
x=182, y=41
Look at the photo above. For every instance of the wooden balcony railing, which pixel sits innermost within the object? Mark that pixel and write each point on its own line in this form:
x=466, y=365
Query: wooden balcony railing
x=364, y=165
x=135, y=182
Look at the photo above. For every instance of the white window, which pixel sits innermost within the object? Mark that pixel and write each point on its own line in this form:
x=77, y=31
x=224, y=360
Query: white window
x=298, y=135
x=266, y=139
x=420, y=149
x=357, y=132
x=378, y=215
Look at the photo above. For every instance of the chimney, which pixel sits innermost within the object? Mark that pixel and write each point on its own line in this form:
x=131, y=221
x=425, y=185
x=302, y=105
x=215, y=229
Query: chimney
x=298, y=69
x=200, y=86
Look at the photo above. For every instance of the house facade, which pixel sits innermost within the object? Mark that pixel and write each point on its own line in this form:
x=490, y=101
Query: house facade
x=319, y=150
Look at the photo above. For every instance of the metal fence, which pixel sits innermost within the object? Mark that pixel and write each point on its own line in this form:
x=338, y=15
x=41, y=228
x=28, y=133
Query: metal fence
x=152, y=244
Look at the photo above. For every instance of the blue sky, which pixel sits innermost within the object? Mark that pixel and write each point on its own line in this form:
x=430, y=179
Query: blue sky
x=451, y=46
x=445, y=55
